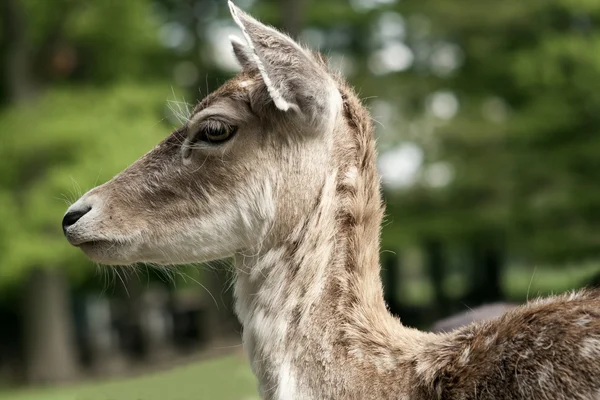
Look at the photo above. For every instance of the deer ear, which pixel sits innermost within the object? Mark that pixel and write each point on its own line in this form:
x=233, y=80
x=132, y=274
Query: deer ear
x=294, y=78
x=243, y=54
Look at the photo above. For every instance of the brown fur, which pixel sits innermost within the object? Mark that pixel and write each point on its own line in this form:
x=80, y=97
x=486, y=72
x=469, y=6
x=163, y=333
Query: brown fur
x=545, y=350
x=295, y=197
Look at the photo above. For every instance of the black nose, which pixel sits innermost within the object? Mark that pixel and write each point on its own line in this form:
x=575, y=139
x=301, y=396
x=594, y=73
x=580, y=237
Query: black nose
x=73, y=216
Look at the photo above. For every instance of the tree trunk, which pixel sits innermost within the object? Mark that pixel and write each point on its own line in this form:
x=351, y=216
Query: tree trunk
x=390, y=274
x=17, y=52
x=50, y=350
x=493, y=262
x=220, y=316
x=435, y=267
x=101, y=337
x=487, y=255
x=128, y=315
x=292, y=13
x=156, y=322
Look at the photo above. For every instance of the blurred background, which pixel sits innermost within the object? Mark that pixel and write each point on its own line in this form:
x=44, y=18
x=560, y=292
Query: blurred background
x=487, y=115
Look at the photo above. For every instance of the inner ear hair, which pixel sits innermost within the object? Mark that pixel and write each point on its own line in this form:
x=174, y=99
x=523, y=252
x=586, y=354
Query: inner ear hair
x=243, y=54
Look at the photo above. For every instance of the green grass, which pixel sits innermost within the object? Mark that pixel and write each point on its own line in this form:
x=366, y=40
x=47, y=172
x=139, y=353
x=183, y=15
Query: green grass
x=225, y=378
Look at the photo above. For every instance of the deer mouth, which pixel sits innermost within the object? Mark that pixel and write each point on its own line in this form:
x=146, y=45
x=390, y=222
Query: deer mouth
x=102, y=251
x=79, y=239
x=106, y=252
x=89, y=244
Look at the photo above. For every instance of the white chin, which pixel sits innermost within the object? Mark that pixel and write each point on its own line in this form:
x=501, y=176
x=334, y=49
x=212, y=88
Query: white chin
x=107, y=253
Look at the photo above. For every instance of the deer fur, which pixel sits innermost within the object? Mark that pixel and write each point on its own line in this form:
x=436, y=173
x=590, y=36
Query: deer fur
x=294, y=196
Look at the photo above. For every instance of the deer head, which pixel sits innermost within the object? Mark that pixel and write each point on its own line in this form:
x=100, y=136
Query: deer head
x=250, y=159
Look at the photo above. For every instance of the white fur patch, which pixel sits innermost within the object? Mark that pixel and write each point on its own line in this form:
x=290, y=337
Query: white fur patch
x=385, y=362
x=286, y=389
x=465, y=356
x=584, y=321
x=590, y=347
x=546, y=374
x=490, y=339
x=351, y=176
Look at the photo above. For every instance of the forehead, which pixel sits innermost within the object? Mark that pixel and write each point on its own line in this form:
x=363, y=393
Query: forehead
x=236, y=88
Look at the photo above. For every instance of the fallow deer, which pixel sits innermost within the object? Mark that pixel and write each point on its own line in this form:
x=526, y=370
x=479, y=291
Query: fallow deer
x=277, y=169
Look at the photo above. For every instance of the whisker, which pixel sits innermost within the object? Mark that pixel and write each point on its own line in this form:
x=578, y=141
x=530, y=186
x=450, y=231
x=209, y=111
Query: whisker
x=202, y=286
x=123, y=282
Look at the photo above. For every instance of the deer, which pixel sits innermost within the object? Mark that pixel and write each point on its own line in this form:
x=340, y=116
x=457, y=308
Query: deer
x=277, y=169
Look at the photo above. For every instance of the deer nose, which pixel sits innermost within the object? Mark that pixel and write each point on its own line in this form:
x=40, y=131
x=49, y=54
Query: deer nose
x=73, y=216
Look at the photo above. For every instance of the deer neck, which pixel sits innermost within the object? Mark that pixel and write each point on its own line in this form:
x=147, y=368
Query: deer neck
x=311, y=300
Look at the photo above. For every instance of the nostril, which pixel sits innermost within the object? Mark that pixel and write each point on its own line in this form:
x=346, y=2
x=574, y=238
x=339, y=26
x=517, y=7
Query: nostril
x=73, y=216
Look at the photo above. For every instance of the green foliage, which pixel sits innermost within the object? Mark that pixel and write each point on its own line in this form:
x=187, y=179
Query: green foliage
x=50, y=154
x=523, y=144
x=110, y=39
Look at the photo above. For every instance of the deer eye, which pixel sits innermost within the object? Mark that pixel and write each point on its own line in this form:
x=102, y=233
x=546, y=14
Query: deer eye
x=214, y=132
